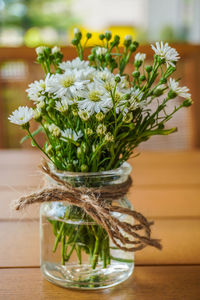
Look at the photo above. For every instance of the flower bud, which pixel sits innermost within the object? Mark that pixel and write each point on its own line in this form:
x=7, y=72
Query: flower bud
x=136, y=44
x=37, y=114
x=116, y=38
x=108, y=35
x=128, y=117
x=55, y=50
x=88, y=35
x=70, y=167
x=142, y=78
x=75, y=42
x=137, y=63
x=76, y=31
x=84, y=115
x=79, y=152
x=148, y=69
x=187, y=102
x=40, y=50
x=84, y=168
x=136, y=74
x=109, y=137
x=101, y=129
x=101, y=36
x=100, y=116
x=158, y=92
x=117, y=79
x=132, y=47
x=75, y=112
x=163, y=80
x=127, y=40
x=172, y=94
x=128, y=37
x=88, y=131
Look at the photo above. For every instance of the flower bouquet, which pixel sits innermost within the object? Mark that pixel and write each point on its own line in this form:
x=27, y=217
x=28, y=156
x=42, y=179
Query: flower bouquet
x=93, y=116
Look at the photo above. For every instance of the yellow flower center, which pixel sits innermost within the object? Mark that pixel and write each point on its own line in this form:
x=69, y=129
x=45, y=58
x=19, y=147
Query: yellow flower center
x=108, y=86
x=68, y=81
x=42, y=85
x=94, y=96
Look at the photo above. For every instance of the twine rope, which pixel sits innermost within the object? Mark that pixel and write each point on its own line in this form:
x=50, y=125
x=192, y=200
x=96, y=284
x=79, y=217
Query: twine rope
x=92, y=200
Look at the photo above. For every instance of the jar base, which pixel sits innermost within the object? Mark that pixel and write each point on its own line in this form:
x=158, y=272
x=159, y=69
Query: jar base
x=84, y=277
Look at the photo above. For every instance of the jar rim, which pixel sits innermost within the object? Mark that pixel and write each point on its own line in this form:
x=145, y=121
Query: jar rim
x=124, y=169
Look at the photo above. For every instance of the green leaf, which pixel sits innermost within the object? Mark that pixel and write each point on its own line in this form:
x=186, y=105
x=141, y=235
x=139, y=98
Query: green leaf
x=159, y=132
x=26, y=137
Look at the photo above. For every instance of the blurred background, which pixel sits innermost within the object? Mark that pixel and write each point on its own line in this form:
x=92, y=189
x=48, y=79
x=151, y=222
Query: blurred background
x=25, y=24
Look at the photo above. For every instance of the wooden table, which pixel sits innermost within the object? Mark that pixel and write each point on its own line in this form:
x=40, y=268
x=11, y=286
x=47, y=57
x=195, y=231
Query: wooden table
x=166, y=189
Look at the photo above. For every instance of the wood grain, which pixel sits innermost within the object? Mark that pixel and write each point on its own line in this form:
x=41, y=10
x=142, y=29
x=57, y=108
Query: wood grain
x=166, y=187
x=146, y=283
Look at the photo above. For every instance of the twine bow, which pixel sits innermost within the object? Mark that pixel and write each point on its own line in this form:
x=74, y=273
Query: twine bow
x=92, y=200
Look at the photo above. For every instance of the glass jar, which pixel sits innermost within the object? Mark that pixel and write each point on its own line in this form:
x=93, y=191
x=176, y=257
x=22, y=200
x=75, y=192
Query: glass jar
x=75, y=251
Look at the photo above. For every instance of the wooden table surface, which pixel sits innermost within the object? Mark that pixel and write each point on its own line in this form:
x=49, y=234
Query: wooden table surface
x=166, y=189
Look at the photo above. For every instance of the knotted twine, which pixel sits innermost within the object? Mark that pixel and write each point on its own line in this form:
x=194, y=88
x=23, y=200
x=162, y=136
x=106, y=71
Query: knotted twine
x=92, y=201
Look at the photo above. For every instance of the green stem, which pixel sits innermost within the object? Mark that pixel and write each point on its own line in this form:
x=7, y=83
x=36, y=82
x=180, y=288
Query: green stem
x=96, y=247
x=122, y=259
x=58, y=237
x=63, y=247
x=78, y=251
x=36, y=144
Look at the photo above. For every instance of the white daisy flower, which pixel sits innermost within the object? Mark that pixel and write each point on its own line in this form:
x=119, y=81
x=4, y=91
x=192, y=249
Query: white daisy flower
x=62, y=105
x=104, y=75
x=76, y=30
x=180, y=91
x=84, y=115
x=128, y=37
x=168, y=53
x=109, y=137
x=101, y=51
x=94, y=99
x=40, y=50
x=74, y=64
x=70, y=134
x=135, y=100
x=55, y=50
x=37, y=89
x=107, y=80
x=121, y=103
x=54, y=130
x=101, y=129
x=22, y=115
x=140, y=56
x=37, y=113
x=131, y=104
x=65, y=85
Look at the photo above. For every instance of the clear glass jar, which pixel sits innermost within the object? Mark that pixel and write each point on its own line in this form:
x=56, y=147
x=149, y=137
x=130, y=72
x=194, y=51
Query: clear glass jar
x=75, y=251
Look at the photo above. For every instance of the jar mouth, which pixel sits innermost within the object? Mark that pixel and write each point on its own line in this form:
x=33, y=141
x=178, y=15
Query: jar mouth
x=124, y=170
